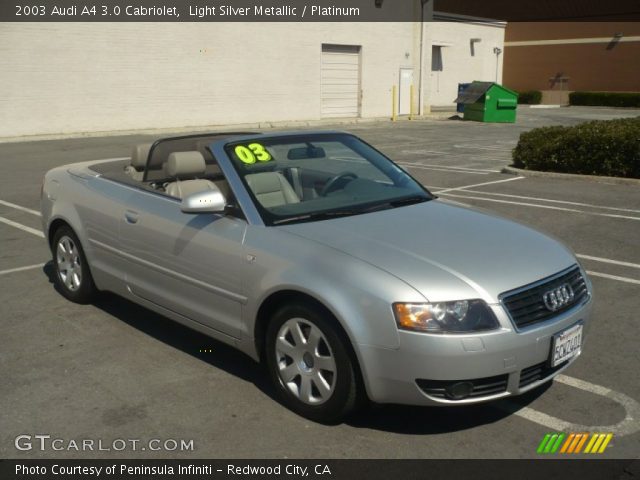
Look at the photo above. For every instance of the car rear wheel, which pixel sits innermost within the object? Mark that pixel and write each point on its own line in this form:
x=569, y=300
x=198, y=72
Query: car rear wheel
x=310, y=365
x=72, y=275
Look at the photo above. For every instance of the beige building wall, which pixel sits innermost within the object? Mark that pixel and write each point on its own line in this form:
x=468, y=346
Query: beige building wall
x=66, y=78
x=460, y=62
x=71, y=78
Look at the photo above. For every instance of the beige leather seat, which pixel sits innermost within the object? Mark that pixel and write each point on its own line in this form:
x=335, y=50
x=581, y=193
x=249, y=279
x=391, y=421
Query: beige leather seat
x=139, y=155
x=185, y=168
x=271, y=189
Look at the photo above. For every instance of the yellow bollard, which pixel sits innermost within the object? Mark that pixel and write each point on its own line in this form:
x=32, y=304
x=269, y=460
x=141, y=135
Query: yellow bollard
x=411, y=111
x=394, y=106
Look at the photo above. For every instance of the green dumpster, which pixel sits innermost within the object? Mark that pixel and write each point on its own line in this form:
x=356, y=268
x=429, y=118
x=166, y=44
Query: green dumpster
x=489, y=102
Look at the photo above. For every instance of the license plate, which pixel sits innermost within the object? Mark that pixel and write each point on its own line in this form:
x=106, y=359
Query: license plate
x=566, y=344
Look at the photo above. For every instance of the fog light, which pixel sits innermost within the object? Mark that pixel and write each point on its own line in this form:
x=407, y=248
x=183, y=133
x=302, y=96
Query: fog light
x=459, y=390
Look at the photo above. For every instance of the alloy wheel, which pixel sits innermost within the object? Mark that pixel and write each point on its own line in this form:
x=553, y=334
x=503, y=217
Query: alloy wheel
x=306, y=365
x=69, y=263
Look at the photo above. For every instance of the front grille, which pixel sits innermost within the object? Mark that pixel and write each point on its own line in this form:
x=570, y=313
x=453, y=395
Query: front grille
x=525, y=304
x=482, y=387
x=538, y=372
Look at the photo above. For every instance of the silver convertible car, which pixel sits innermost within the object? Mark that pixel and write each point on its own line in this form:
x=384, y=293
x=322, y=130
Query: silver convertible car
x=314, y=253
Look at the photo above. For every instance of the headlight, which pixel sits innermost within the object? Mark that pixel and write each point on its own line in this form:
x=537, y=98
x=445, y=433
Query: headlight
x=445, y=317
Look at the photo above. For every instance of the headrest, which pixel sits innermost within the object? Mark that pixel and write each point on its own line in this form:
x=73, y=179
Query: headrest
x=139, y=155
x=264, y=182
x=185, y=164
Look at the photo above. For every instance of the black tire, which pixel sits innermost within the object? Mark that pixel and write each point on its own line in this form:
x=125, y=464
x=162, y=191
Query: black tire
x=75, y=282
x=346, y=393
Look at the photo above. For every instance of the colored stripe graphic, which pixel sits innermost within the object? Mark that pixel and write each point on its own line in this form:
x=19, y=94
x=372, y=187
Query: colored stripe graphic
x=606, y=442
x=594, y=437
x=573, y=443
x=543, y=443
x=558, y=442
x=567, y=442
x=582, y=442
x=550, y=443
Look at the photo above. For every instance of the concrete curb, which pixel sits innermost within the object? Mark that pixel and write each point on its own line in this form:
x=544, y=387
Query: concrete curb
x=219, y=128
x=572, y=176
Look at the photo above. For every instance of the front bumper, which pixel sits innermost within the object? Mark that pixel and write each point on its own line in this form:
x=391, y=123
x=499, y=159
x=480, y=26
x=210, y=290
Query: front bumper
x=500, y=363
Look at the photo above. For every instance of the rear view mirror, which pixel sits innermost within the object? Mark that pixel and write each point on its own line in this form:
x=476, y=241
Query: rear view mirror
x=301, y=153
x=209, y=201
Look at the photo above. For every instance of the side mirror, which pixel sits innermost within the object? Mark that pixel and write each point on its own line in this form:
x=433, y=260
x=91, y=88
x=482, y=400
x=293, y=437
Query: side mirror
x=209, y=201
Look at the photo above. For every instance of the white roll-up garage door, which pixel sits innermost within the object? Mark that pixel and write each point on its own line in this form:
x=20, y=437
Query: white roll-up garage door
x=340, y=81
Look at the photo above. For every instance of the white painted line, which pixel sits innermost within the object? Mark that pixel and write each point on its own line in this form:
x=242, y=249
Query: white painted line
x=485, y=147
x=545, y=420
x=541, y=199
x=614, y=277
x=424, y=152
x=450, y=167
x=608, y=260
x=631, y=422
x=629, y=425
x=549, y=207
x=583, y=385
x=21, y=269
x=420, y=167
x=21, y=227
x=480, y=184
x=21, y=208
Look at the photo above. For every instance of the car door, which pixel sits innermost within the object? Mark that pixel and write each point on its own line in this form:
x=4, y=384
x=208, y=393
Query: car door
x=190, y=264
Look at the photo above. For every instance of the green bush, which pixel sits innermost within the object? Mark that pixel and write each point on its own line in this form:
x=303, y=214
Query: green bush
x=530, y=97
x=605, y=99
x=609, y=147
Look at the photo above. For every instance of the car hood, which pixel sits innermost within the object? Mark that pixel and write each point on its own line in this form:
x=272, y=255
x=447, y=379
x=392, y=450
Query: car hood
x=444, y=251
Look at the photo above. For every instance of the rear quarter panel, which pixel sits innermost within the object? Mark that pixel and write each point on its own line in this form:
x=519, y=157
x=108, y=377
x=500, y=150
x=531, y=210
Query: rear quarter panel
x=92, y=207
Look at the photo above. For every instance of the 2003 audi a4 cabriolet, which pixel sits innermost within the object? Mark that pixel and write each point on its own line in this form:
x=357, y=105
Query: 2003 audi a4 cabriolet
x=316, y=254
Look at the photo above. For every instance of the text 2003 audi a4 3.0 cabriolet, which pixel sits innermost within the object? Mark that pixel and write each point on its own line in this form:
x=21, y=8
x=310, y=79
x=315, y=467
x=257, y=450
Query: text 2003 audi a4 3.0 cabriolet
x=317, y=255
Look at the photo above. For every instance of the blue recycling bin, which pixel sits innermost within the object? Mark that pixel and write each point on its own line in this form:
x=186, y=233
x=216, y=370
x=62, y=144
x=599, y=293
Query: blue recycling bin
x=461, y=88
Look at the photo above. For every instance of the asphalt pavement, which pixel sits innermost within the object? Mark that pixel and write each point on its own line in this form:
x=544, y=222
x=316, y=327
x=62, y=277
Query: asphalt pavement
x=113, y=370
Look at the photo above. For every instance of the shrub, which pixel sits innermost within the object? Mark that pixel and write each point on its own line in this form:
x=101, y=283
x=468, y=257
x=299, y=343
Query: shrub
x=605, y=99
x=609, y=147
x=530, y=97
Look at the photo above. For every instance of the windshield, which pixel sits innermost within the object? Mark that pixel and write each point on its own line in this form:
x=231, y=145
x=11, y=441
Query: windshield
x=311, y=177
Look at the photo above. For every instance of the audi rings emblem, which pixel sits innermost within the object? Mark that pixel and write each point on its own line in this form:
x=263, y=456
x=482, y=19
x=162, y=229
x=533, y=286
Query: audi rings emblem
x=558, y=297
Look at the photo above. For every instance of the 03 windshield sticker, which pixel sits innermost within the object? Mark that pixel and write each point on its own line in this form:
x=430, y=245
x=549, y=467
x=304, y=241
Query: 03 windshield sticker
x=251, y=153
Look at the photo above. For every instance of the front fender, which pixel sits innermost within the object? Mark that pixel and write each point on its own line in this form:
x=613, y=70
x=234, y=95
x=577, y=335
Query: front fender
x=358, y=294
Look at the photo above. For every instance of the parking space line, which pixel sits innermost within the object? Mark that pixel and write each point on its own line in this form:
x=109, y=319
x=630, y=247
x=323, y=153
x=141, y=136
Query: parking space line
x=608, y=260
x=464, y=169
x=480, y=184
x=21, y=269
x=21, y=208
x=550, y=207
x=614, y=277
x=11, y=223
x=629, y=425
x=420, y=167
x=555, y=201
x=499, y=148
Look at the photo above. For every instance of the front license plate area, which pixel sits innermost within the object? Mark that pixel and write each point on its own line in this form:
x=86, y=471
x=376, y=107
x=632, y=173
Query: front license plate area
x=566, y=344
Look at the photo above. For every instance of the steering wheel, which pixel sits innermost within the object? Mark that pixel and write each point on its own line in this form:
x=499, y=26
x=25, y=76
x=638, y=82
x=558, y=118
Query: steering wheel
x=331, y=184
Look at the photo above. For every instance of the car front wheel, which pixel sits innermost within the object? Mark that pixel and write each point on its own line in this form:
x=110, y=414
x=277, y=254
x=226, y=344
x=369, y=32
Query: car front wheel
x=72, y=275
x=310, y=365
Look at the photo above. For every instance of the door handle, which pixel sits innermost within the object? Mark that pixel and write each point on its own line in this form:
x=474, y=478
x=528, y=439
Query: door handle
x=131, y=216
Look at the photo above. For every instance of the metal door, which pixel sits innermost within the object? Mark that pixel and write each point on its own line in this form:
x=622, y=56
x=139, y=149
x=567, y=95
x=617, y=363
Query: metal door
x=340, y=81
x=404, y=94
